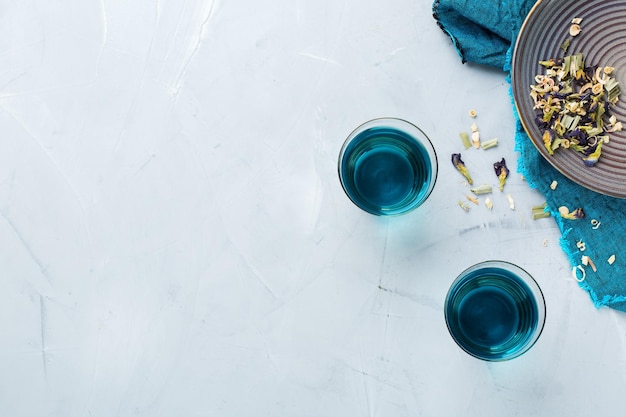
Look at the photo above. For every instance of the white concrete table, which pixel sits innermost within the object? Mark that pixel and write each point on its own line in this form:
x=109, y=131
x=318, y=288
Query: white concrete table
x=175, y=241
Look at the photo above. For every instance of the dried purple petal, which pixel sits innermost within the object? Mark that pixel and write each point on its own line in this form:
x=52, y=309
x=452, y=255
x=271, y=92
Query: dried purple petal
x=593, y=158
x=460, y=166
x=502, y=172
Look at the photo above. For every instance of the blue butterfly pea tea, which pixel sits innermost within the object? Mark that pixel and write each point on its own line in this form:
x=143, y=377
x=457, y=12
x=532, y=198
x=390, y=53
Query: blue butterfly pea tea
x=387, y=167
x=495, y=311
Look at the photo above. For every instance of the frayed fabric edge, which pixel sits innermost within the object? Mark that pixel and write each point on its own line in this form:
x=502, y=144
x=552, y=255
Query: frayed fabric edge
x=455, y=42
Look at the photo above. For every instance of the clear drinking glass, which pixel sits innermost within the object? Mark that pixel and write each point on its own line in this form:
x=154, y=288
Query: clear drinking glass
x=387, y=166
x=495, y=311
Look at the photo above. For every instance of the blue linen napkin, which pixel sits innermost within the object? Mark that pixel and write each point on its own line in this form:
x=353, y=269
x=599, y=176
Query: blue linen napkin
x=484, y=32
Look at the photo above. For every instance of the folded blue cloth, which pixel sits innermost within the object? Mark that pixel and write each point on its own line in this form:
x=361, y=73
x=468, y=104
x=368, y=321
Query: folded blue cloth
x=484, y=32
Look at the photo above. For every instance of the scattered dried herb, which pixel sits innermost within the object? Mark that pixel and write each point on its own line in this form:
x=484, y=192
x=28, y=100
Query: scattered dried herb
x=509, y=197
x=582, y=272
x=463, y=205
x=482, y=189
x=553, y=185
x=475, y=136
x=574, y=103
x=460, y=166
x=465, y=140
x=540, y=212
x=489, y=143
x=586, y=260
x=502, y=172
x=472, y=199
x=578, y=213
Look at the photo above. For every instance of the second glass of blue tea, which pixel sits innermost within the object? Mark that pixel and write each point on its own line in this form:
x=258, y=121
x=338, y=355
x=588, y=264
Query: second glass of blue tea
x=387, y=166
x=495, y=311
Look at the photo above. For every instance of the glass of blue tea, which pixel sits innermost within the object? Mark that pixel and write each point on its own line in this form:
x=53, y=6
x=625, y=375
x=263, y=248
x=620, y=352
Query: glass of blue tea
x=387, y=166
x=495, y=311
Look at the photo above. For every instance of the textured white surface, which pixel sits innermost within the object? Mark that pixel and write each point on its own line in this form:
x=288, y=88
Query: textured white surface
x=175, y=241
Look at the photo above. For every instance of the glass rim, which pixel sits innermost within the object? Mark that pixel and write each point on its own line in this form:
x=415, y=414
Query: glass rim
x=534, y=288
x=421, y=138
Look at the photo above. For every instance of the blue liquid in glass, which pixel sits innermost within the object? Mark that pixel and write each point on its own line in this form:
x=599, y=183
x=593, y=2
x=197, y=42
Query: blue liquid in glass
x=386, y=171
x=492, y=313
x=488, y=316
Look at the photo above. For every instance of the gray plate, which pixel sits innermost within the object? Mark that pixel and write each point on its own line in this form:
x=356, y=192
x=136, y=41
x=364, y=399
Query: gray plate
x=603, y=42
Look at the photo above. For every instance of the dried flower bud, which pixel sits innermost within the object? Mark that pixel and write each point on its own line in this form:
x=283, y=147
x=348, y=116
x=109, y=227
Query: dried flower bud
x=579, y=213
x=593, y=158
x=460, y=166
x=502, y=172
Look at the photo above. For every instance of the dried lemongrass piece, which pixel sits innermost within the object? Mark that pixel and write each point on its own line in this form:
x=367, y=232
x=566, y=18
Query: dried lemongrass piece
x=482, y=189
x=465, y=140
x=595, y=224
x=539, y=212
x=581, y=246
x=472, y=113
x=612, y=88
x=464, y=206
x=611, y=260
x=489, y=143
x=553, y=185
x=488, y=203
x=577, y=21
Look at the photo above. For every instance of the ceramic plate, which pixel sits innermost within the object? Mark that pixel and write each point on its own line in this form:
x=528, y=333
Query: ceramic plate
x=603, y=43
